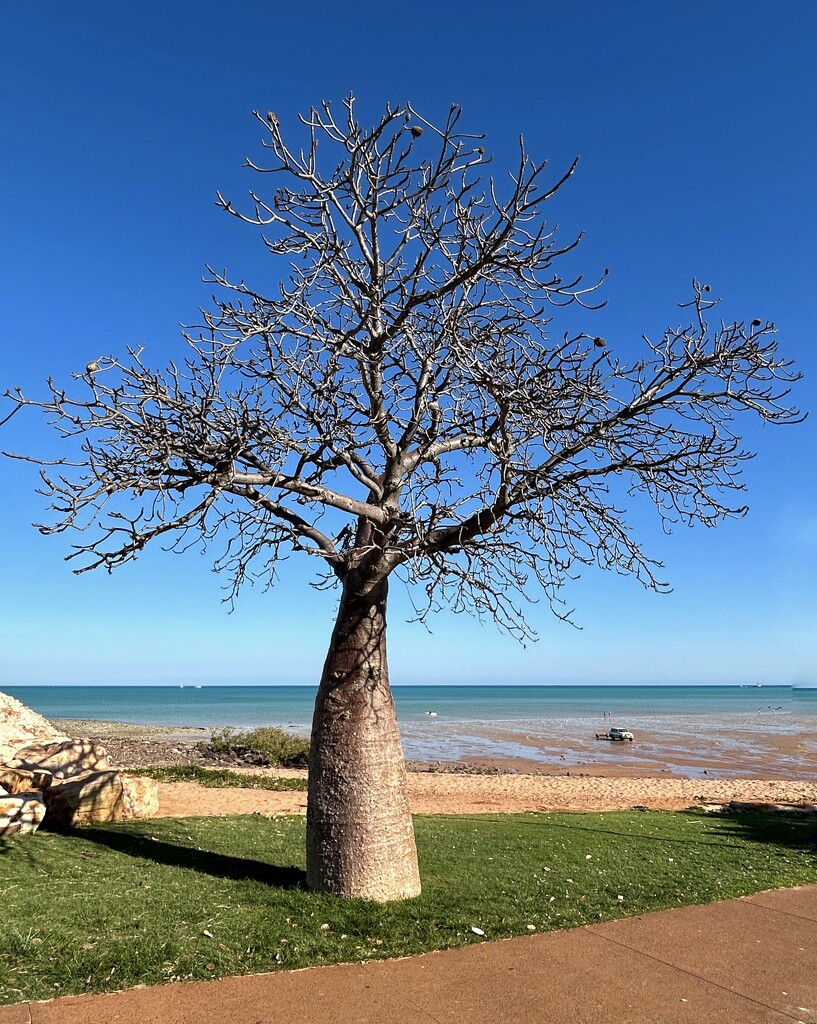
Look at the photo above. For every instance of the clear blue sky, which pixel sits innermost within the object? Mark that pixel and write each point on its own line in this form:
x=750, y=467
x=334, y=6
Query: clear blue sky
x=695, y=124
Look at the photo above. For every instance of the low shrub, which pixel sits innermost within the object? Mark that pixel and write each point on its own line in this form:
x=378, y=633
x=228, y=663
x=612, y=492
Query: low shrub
x=268, y=745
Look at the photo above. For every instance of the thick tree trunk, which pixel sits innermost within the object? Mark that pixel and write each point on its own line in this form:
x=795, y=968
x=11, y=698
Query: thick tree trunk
x=359, y=836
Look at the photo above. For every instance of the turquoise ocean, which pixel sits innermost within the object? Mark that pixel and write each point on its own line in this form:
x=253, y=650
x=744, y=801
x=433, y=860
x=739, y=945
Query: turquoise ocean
x=451, y=722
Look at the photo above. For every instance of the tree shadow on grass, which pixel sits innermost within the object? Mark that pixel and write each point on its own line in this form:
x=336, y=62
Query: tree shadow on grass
x=793, y=830
x=217, y=865
x=543, y=825
x=796, y=831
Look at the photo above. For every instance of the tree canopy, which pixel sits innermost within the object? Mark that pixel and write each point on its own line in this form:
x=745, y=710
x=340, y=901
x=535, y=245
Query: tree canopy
x=397, y=399
x=398, y=402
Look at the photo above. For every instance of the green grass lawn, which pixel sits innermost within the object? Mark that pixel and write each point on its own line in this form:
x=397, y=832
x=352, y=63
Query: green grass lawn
x=220, y=778
x=112, y=906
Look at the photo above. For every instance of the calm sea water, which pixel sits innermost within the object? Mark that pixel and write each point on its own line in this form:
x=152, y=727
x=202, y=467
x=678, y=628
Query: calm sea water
x=467, y=721
x=244, y=706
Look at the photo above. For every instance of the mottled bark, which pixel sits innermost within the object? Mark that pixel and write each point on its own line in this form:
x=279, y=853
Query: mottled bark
x=360, y=840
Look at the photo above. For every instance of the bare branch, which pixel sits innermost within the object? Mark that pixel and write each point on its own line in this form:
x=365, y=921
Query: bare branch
x=398, y=403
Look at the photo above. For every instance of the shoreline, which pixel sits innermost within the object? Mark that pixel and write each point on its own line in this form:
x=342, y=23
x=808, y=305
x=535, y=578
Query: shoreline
x=784, y=756
x=481, y=786
x=97, y=728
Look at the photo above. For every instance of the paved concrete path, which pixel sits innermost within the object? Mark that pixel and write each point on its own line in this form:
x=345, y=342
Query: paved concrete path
x=748, y=961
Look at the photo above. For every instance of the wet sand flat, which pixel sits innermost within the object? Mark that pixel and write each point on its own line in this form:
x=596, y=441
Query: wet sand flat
x=611, y=777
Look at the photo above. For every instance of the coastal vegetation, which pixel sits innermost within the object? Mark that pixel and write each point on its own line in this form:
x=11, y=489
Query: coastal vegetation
x=269, y=745
x=219, y=778
x=138, y=903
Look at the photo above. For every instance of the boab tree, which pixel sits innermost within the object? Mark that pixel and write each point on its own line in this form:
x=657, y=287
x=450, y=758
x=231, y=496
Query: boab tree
x=395, y=404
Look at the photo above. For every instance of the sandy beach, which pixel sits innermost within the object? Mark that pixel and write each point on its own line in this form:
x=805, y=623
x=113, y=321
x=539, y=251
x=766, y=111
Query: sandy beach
x=452, y=792
x=509, y=785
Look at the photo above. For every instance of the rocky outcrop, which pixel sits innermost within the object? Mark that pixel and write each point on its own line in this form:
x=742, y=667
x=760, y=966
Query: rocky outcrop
x=20, y=726
x=64, y=759
x=85, y=799
x=101, y=796
x=16, y=780
x=20, y=812
x=44, y=773
x=140, y=796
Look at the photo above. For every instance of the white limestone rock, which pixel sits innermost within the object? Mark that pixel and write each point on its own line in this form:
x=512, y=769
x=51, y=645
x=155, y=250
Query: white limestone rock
x=64, y=759
x=20, y=727
x=20, y=813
